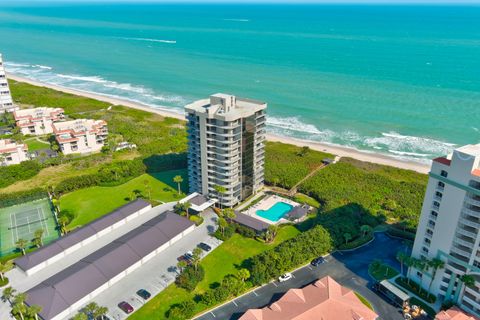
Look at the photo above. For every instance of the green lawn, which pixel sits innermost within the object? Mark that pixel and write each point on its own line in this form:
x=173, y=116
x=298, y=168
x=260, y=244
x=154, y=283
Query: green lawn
x=34, y=144
x=224, y=260
x=382, y=272
x=91, y=203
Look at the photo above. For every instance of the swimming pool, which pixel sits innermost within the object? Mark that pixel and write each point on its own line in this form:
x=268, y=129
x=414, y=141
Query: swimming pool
x=275, y=212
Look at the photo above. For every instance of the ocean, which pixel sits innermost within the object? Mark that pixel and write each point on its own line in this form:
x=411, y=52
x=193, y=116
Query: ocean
x=399, y=80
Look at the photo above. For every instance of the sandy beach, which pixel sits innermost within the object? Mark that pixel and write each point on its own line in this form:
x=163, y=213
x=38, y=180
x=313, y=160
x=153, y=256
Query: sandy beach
x=337, y=150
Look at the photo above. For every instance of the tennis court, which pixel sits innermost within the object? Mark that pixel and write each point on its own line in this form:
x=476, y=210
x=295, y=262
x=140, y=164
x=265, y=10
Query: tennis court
x=21, y=221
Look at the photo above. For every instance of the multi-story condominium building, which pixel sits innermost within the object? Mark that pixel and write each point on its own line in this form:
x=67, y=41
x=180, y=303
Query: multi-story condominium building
x=6, y=102
x=226, y=147
x=449, y=228
x=80, y=136
x=12, y=152
x=37, y=121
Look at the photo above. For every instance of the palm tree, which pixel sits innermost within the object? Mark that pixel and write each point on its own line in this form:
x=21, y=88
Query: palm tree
x=243, y=274
x=401, y=256
x=468, y=280
x=91, y=308
x=178, y=180
x=34, y=310
x=229, y=213
x=80, y=316
x=146, y=183
x=365, y=229
x=19, y=309
x=271, y=232
x=179, y=208
x=5, y=267
x=187, y=206
x=37, y=238
x=435, y=264
x=220, y=190
x=63, y=221
x=101, y=312
x=181, y=265
x=347, y=237
x=21, y=244
x=275, y=181
x=410, y=263
x=8, y=294
x=196, y=257
x=222, y=223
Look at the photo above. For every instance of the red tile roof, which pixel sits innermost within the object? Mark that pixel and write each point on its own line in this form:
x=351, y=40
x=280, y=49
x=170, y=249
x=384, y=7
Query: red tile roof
x=325, y=299
x=476, y=172
x=454, y=313
x=443, y=160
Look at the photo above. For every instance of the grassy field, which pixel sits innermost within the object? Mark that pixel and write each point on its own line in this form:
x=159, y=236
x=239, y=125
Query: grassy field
x=382, y=272
x=364, y=300
x=91, y=203
x=33, y=144
x=222, y=261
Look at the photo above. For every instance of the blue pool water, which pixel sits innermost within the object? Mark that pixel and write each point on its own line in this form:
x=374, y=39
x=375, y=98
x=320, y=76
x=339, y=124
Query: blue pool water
x=275, y=212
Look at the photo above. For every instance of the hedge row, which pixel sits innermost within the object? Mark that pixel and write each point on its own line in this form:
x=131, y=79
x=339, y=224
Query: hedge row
x=14, y=198
x=16, y=172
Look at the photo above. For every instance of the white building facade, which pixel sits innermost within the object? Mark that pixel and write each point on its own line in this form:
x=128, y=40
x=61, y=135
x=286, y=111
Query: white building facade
x=6, y=102
x=38, y=121
x=226, y=147
x=12, y=152
x=81, y=136
x=449, y=228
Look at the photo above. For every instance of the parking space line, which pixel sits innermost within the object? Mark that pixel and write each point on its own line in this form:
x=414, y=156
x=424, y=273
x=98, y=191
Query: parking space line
x=213, y=314
x=233, y=301
x=256, y=294
x=309, y=268
x=273, y=282
x=293, y=275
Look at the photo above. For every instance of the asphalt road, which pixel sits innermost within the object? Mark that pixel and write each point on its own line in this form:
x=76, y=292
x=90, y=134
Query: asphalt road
x=349, y=269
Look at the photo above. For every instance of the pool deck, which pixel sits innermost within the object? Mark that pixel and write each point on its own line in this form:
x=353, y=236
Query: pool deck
x=266, y=204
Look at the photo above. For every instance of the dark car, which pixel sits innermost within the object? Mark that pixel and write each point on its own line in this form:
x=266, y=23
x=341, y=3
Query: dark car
x=204, y=246
x=126, y=307
x=184, y=258
x=318, y=261
x=144, y=294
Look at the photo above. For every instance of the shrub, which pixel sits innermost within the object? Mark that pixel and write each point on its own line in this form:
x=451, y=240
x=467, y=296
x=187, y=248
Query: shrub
x=198, y=220
x=356, y=243
x=182, y=311
x=394, y=232
x=415, y=288
x=16, y=172
x=189, y=278
x=289, y=254
x=227, y=233
x=245, y=231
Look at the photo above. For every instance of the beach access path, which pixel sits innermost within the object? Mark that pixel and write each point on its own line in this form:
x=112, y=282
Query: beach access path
x=333, y=149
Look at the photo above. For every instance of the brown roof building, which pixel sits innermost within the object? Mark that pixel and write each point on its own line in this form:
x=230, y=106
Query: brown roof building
x=323, y=300
x=454, y=314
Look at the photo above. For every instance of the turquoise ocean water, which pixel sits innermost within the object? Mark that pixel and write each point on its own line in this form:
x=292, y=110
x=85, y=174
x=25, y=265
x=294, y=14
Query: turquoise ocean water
x=404, y=81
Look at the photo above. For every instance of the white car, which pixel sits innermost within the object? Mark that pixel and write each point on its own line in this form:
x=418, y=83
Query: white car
x=285, y=277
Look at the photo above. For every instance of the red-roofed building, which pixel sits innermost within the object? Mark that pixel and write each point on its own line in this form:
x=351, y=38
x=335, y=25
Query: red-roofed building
x=12, y=152
x=454, y=314
x=325, y=299
x=81, y=135
x=37, y=121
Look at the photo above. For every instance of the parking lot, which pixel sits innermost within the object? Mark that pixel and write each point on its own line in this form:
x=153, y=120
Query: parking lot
x=157, y=273
x=350, y=269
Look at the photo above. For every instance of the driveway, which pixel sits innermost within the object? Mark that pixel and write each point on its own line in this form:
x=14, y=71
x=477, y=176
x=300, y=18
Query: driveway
x=350, y=269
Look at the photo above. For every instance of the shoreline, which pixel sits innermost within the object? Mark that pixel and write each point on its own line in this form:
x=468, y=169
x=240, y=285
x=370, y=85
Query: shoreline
x=318, y=146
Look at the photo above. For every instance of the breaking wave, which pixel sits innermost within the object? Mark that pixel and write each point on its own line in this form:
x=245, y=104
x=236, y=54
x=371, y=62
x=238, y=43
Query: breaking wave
x=151, y=40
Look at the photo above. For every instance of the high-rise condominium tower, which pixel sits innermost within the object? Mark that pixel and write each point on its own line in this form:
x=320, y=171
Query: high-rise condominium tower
x=449, y=229
x=6, y=103
x=226, y=147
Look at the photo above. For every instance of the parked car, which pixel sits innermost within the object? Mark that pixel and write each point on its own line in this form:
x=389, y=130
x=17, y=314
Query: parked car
x=189, y=255
x=204, y=246
x=184, y=258
x=142, y=293
x=126, y=307
x=285, y=277
x=318, y=261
